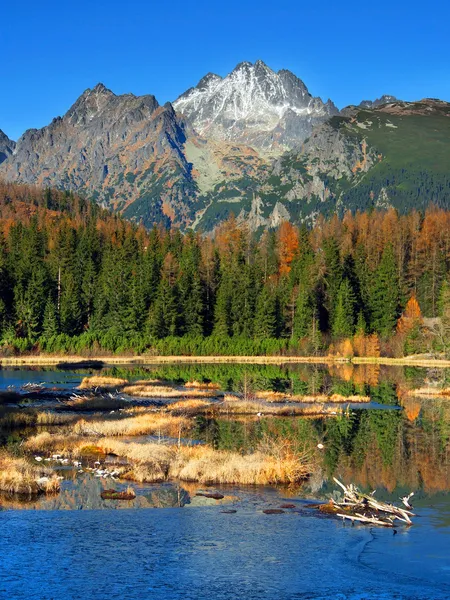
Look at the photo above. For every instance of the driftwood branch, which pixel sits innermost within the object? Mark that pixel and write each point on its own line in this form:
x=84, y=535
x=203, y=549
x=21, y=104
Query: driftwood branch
x=363, y=508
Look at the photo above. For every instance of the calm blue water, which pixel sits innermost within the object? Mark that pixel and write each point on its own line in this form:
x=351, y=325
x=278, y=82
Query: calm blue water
x=198, y=552
x=201, y=553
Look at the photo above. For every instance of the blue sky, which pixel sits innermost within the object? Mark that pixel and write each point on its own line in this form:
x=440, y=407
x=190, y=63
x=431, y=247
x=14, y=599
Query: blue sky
x=348, y=51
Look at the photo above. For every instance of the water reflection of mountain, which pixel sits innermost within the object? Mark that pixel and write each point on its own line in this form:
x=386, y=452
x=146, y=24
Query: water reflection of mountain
x=83, y=493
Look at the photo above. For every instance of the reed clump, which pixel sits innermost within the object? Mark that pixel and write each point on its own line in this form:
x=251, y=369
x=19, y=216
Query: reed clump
x=202, y=385
x=190, y=407
x=429, y=391
x=139, y=424
x=101, y=381
x=252, y=407
x=19, y=476
x=203, y=464
x=279, y=397
x=61, y=443
x=144, y=389
x=12, y=419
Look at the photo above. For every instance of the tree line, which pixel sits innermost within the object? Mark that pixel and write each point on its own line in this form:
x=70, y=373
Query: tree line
x=75, y=278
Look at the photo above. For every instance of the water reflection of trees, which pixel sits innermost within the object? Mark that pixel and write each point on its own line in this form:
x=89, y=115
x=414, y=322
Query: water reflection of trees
x=373, y=448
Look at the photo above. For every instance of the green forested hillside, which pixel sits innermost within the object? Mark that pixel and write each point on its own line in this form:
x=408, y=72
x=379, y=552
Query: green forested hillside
x=83, y=280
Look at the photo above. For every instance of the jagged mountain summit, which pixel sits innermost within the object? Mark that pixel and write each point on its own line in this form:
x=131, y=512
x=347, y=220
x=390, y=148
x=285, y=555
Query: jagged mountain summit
x=254, y=143
x=6, y=147
x=385, y=99
x=254, y=105
x=120, y=150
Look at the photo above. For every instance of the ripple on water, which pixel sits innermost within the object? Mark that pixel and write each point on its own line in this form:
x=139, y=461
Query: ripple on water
x=199, y=554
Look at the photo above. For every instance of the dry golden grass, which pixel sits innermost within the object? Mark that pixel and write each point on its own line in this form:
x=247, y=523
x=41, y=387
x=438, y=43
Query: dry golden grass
x=190, y=407
x=270, y=396
x=201, y=385
x=139, y=424
x=101, y=381
x=429, y=391
x=19, y=476
x=249, y=407
x=47, y=359
x=148, y=359
x=46, y=443
x=17, y=418
x=13, y=419
x=145, y=389
x=203, y=464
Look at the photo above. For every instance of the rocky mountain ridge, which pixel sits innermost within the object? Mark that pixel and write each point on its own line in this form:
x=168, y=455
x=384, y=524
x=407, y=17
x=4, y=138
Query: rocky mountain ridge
x=255, y=143
x=6, y=147
x=254, y=105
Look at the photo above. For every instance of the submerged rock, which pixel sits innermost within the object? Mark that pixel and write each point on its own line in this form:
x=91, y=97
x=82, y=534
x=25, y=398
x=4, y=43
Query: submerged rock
x=273, y=511
x=213, y=495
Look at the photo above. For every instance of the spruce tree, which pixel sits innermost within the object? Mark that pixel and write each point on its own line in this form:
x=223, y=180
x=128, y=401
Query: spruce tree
x=265, y=325
x=222, y=313
x=50, y=326
x=333, y=275
x=303, y=313
x=385, y=294
x=344, y=315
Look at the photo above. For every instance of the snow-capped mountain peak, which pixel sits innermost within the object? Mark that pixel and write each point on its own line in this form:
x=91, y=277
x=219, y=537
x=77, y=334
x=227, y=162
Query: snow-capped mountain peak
x=253, y=104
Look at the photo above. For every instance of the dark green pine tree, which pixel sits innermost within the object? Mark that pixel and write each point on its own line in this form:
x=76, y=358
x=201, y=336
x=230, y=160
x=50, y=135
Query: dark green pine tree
x=303, y=313
x=344, y=313
x=385, y=294
x=333, y=276
x=70, y=313
x=222, y=313
x=363, y=278
x=265, y=325
x=361, y=326
x=164, y=315
x=5, y=286
x=50, y=326
x=30, y=303
x=194, y=308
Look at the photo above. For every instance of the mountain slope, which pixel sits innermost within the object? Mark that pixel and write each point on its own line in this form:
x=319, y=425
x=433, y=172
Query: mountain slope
x=121, y=150
x=395, y=155
x=6, y=147
x=254, y=143
x=254, y=105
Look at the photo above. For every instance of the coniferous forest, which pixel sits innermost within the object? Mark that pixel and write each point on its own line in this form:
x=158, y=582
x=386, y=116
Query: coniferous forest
x=75, y=278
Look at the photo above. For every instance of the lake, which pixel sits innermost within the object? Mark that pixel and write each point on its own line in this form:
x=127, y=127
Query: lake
x=169, y=543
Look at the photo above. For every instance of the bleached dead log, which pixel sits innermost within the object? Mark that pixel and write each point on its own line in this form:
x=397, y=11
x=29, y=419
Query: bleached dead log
x=365, y=509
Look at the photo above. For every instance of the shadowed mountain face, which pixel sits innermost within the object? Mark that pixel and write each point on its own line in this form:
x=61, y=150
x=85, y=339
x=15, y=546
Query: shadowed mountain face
x=6, y=147
x=254, y=143
x=114, y=148
x=254, y=105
